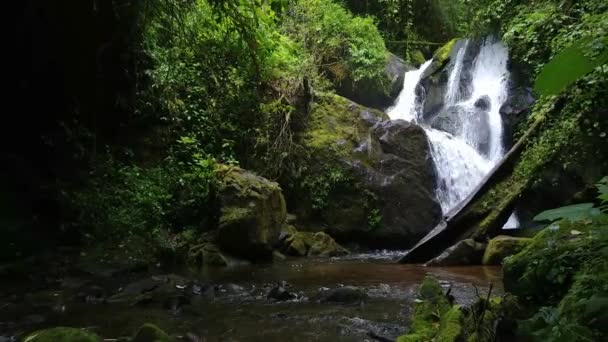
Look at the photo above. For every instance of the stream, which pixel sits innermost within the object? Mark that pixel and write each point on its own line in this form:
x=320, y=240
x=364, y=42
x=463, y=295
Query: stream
x=233, y=304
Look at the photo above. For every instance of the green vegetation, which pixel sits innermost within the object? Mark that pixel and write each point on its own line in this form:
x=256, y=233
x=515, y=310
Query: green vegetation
x=61, y=334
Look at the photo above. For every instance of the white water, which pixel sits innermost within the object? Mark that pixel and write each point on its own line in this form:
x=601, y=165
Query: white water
x=407, y=107
x=464, y=158
x=453, y=92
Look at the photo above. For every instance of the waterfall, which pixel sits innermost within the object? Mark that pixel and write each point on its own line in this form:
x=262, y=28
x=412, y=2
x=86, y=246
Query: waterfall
x=407, y=106
x=468, y=143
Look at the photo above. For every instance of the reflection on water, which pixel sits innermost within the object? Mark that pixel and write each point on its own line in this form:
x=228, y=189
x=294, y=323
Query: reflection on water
x=246, y=314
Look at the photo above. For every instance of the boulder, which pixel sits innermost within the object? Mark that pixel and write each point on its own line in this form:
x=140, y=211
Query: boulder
x=317, y=244
x=503, y=246
x=62, y=334
x=151, y=333
x=369, y=180
x=450, y=120
x=484, y=103
x=207, y=254
x=345, y=295
x=252, y=213
x=464, y=252
x=375, y=93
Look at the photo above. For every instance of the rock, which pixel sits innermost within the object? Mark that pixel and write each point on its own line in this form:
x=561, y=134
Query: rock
x=345, y=295
x=484, y=103
x=375, y=93
x=450, y=120
x=278, y=256
x=252, y=213
x=311, y=244
x=150, y=333
x=503, y=246
x=370, y=180
x=279, y=293
x=208, y=254
x=62, y=334
x=324, y=246
x=517, y=105
x=434, y=318
x=464, y=252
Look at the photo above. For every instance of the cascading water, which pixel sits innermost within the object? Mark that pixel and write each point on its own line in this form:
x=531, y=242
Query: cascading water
x=468, y=144
x=406, y=107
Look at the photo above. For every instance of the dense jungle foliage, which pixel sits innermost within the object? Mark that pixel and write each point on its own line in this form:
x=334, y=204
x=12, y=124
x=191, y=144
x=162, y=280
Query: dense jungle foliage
x=130, y=110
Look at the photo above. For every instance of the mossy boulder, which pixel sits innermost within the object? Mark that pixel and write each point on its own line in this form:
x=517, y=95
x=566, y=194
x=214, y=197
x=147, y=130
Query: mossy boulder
x=368, y=180
x=252, y=213
x=311, y=244
x=546, y=268
x=151, y=333
x=501, y=247
x=207, y=253
x=62, y=334
x=379, y=93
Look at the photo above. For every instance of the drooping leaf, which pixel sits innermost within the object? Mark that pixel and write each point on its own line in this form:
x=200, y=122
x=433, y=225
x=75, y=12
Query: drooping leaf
x=576, y=212
x=567, y=66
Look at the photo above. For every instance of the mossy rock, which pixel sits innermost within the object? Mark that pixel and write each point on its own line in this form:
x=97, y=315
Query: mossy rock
x=151, y=333
x=311, y=244
x=417, y=58
x=464, y=252
x=368, y=180
x=207, y=254
x=501, y=247
x=434, y=317
x=379, y=92
x=252, y=213
x=62, y=334
x=544, y=270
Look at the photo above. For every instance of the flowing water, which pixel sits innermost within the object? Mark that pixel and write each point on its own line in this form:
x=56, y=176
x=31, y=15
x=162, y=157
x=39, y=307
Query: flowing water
x=469, y=142
x=237, y=309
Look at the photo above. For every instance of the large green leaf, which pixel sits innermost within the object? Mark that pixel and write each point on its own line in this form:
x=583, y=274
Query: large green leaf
x=576, y=212
x=570, y=64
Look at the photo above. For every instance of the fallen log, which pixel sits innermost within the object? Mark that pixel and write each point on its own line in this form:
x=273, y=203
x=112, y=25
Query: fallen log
x=484, y=212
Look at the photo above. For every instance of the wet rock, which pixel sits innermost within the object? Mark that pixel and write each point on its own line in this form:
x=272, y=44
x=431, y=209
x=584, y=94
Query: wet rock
x=483, y=103
x=92, y=294
x=449, y=120
x=139, y=287
x=517, y=105
x=203, y=290
x=252, y=213
x=346, y=294
x=150, y=333
x=175, y=303
x=279, y=294
x=503, y=246
x=384, y=193
x=464, y=252
x=62, y=334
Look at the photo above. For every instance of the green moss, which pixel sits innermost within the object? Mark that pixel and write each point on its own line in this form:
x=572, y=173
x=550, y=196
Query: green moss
x=416, y=57
x=151, y=333
x=501, y=247
x=62, y=334
x=432, y=307
x=440, y=57
x=450, y=329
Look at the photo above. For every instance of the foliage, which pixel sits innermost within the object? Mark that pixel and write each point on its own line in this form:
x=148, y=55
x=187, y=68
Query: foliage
x=575, y=212
x=568, y=66
x=320, y=187
x=344, y=46
x=168, y=204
